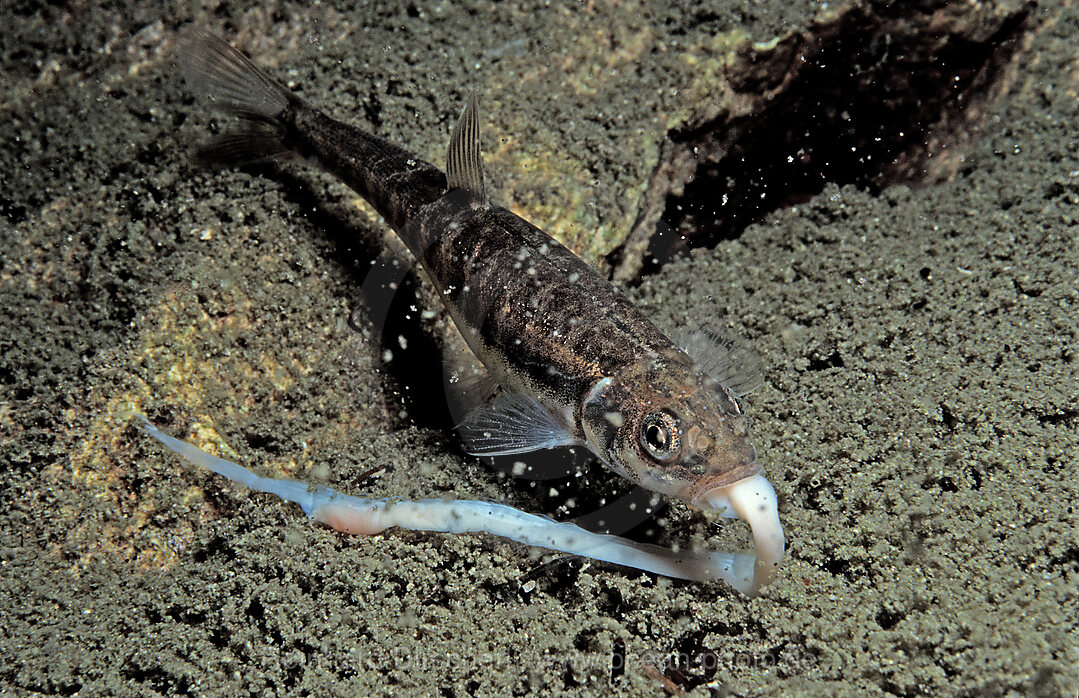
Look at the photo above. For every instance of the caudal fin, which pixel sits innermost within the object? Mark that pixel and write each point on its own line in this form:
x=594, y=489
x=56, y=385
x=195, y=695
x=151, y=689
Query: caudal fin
x=232, y=83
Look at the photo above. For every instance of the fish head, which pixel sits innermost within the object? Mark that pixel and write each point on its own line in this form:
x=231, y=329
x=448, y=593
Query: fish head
x=671, y=429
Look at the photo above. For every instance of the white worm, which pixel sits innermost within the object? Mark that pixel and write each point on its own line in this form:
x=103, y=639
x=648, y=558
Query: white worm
x=367, y=516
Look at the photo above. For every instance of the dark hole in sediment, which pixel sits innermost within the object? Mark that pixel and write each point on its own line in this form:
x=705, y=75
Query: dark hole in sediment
x=873, y=97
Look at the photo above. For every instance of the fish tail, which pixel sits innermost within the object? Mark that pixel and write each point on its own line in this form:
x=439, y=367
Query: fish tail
x=231, y=82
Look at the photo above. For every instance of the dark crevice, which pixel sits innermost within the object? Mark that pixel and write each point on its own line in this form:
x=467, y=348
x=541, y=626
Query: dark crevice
x=1069, y=559
x=1059, y=417
x=618, y=661
x=822, y=362
x=880, y=94
x=951, y=421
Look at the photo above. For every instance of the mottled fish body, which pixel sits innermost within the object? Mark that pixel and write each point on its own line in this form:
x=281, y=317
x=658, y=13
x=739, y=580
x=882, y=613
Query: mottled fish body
x=576, y=361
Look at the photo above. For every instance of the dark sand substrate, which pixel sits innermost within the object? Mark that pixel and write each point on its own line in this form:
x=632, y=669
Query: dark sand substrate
x=918, y=417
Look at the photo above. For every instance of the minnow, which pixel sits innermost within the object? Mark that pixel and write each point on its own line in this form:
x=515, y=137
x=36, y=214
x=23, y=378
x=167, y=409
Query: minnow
x=577, y=364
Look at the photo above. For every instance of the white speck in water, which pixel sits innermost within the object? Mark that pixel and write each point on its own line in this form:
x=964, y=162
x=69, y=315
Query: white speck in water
x=387, y=356
x=402, y=341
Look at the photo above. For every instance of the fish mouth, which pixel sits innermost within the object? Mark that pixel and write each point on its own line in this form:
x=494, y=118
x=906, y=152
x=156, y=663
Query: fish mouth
x=697, y=493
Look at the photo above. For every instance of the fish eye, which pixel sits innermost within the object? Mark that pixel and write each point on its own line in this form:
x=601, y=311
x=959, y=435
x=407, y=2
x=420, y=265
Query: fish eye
x=659, y=435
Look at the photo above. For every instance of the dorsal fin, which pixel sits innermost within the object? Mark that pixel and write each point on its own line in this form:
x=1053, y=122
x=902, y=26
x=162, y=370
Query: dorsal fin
x=726, y=358
x=464, y=168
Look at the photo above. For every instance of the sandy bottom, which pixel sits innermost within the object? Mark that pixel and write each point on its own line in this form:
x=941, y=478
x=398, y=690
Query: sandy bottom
x=918, y=417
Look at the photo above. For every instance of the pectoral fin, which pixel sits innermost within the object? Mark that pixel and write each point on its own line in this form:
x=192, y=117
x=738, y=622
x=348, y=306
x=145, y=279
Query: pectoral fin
x=512, y=423
x=726, y=358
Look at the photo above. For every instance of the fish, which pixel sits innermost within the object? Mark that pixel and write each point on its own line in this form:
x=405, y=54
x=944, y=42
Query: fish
x=576, y=363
